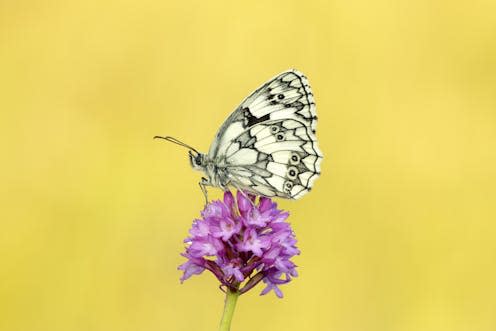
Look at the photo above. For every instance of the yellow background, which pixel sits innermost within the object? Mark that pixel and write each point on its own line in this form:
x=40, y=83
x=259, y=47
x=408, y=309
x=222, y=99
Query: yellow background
x=398, y=233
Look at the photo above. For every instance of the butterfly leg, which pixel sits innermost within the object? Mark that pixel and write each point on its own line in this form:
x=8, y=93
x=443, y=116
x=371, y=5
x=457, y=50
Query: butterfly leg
x=242, y=193
x=203, y=185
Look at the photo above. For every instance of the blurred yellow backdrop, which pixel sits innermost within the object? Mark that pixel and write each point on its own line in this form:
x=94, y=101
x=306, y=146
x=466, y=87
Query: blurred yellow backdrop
x=398, y=233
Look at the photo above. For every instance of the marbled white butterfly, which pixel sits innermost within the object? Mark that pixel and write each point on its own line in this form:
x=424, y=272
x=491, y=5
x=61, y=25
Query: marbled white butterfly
x=267, y=146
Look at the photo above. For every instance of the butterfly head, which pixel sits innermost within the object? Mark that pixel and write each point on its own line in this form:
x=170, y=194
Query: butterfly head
x=197, y=160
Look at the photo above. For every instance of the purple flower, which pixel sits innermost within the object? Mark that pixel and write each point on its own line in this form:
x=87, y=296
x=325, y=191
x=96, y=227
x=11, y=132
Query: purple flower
x=242, y=241
x=252, y=242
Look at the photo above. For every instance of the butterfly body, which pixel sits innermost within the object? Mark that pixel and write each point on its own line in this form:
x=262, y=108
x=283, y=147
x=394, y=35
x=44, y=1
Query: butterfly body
x=267, y=146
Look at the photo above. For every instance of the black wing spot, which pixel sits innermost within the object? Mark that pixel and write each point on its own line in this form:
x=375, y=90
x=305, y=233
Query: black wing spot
x=252, y=120
x=298, y=105
x=280, y=96
x=288, y=185
x=295, y=158
x=292, y=172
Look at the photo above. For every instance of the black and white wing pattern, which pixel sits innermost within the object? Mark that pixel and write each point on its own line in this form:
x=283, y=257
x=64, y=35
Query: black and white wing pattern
x=268, y=146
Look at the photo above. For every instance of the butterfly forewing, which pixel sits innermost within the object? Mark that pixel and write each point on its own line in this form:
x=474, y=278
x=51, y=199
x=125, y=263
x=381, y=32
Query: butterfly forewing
x=268, y=144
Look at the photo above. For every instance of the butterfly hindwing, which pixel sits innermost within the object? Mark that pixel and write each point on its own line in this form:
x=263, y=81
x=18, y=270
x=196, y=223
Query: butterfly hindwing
x=275, y=158
x=268, y=144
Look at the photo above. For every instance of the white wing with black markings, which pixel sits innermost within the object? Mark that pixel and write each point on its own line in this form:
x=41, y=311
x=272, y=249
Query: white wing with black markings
x=268, y=144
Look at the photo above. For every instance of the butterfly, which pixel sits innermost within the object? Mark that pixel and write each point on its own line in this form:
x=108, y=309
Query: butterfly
x=267, y=146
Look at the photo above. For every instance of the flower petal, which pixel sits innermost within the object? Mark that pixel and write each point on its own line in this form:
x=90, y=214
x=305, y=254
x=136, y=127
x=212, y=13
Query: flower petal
x=244, y=204
x=190, y=268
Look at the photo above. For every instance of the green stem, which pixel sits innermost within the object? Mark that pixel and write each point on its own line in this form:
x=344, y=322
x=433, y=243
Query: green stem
x=229, y=305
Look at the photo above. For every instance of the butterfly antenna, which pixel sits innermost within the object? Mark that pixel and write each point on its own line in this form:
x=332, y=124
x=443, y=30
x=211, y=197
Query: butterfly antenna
x=177, y=142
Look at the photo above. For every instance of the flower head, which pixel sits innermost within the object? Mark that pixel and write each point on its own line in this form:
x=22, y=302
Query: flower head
x=242, y=241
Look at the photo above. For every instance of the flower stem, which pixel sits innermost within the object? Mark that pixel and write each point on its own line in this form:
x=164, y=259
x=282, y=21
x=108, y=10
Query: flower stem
x=229, y=305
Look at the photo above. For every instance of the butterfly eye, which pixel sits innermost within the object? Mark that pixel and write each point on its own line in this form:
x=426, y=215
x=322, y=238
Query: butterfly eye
x=198, y=160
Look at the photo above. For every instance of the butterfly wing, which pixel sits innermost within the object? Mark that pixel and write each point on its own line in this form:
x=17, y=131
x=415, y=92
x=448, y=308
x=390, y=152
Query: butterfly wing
x=268, y=144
